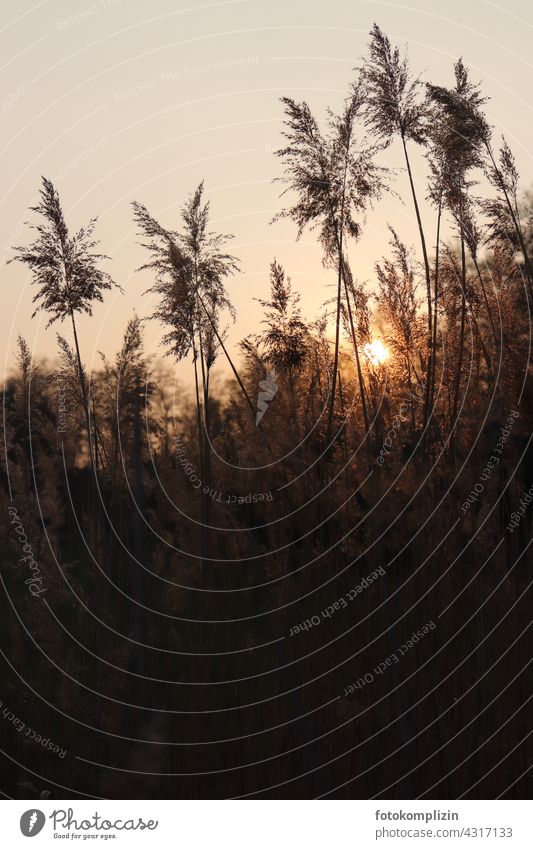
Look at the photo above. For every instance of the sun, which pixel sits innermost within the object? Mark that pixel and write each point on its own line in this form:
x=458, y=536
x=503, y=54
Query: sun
x=376, y=352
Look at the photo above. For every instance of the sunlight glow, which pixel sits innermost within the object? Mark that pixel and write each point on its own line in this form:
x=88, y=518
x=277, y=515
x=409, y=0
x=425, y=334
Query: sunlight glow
x=376, y=352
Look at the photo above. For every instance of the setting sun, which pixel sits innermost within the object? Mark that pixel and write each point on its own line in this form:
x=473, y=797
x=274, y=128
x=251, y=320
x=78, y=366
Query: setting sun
x=376, y=352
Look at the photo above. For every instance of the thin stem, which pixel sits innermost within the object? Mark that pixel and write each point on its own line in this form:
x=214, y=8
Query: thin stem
x=221, y=343
x=360, y=379
x=461, y=334
x=426, y=268
x=339, y=232
x=85, y=402
x=435, y=311
x=337, y=336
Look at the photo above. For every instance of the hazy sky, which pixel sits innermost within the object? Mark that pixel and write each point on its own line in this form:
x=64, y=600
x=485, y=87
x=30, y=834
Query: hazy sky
x=119, y=100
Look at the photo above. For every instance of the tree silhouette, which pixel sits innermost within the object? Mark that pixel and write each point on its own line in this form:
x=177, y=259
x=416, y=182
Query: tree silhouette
x=285, y=339
x=500, y=169
x=393, y=107
x=400, y=307
x=65, y=270
x=191, y=266
x=457, y=142
x=503, y=211
x=334, y=178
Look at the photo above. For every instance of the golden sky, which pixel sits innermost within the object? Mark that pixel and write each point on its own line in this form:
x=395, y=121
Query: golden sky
x=122, y=100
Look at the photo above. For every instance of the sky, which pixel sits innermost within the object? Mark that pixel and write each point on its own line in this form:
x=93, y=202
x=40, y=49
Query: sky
x=122, y=100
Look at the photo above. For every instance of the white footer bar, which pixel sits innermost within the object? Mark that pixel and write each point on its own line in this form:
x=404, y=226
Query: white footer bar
x=268, y=824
